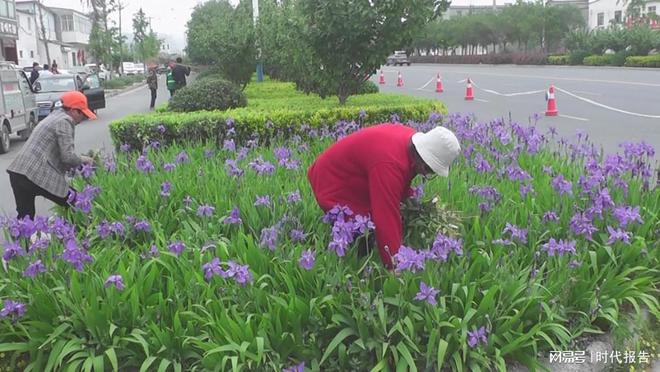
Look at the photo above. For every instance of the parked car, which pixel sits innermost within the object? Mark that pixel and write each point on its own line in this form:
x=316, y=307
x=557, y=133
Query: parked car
x=398, y=58
x=52, y=87
x=18, y=108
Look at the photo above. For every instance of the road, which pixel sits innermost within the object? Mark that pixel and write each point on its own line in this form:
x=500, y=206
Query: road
x=89, y=135
x=612, y=105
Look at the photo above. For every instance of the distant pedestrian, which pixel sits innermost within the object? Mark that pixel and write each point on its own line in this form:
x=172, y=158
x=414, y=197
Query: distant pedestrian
x=40, y=165
x=34, y=75
x=179, y=71
x=53, y=68
x=152, y=82
x=171, y=83
x=45, y=71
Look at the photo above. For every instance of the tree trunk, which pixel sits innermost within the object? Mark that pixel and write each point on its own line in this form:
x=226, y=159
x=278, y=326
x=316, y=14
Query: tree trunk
x=43, y=31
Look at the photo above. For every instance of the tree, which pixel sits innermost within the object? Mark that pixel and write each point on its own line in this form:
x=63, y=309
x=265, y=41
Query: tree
x=350, y=39
x=42, y=26
x=145, y=42
x=224, y=36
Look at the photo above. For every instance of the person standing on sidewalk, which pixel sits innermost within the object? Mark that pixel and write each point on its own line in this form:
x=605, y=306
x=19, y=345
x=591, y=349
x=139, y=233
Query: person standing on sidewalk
x=171, y=83
x=152, y=82
x=40, y=165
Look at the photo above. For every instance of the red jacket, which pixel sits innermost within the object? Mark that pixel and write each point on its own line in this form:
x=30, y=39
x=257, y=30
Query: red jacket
x=369, y=171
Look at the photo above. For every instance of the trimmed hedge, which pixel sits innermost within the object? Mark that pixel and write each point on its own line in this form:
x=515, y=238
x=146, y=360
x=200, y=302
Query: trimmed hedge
x=266, y=123
x=596, y=60
x=491, y=59
x=643, y=61
x=211, y=93
x=559, y=60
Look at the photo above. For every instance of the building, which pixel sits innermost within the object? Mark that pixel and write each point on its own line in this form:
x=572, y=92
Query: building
x=464, y=10
x=73, y=31
x=63, y=38
x=8, y=30
x=28, y=48
x=603, y=13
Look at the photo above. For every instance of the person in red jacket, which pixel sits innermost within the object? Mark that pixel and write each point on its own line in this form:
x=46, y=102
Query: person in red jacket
x=371, y=170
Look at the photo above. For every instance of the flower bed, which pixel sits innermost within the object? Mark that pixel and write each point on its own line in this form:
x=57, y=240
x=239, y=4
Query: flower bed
x=202, y=258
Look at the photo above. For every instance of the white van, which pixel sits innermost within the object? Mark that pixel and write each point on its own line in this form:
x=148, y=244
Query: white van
x=18, y=108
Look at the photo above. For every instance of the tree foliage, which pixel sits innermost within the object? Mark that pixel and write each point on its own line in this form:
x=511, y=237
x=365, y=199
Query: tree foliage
x=222, y=35
x=527, y=26
x=146, y=44
x=331, y=47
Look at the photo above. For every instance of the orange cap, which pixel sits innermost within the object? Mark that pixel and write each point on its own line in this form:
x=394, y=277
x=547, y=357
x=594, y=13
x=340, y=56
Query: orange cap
x=77, y=100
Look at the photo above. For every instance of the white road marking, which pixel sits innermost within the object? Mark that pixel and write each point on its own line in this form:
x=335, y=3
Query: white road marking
x=607, y=107
x=591, y=93
x=480, y=100
x=572, y=117
x=425, y=85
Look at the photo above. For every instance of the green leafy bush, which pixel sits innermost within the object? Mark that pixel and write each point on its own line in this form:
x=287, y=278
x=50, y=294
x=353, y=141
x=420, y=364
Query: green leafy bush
x=619, y=58
x=577, y=57
x=643, y=61
x=212, y=72
x=596, y=60
x=208, y=94
x=559, y=60
x=122, y=81
x=369, y=87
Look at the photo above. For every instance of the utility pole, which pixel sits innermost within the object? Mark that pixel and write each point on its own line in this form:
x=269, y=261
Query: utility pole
x=255, y=18
x=121, y=41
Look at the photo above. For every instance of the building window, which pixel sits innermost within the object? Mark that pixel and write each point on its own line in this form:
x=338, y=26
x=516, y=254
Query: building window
x=20, y=53
x=29, y=23
x=32, y=54
x=617, y=16
x=601, y=19
x=651, y=10
x=7, y=9
x=74, y=59
x=67, y=22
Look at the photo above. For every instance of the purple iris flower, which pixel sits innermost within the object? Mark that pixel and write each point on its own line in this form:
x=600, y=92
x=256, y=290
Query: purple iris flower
x=427, y=293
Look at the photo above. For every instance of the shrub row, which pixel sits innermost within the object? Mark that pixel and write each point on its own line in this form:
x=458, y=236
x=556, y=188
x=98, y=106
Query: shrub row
x=265, y=123
x=579, y=57
x=493, y=59
x=122, y=81
x=643, y=61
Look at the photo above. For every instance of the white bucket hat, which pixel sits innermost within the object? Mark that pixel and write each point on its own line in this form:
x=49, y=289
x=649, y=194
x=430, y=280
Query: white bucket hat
x=438, y=148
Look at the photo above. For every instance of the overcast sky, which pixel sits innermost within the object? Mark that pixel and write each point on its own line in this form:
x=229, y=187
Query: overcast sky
x=169, y=17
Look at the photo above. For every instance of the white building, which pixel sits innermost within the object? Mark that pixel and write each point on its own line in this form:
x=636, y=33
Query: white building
x=28, y=49
x=8, y=30
x=66, y=35
x=73, y=31
x=603, y=13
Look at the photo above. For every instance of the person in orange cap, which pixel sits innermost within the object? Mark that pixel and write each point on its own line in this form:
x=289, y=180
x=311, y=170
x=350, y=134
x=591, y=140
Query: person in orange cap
x=48, y=154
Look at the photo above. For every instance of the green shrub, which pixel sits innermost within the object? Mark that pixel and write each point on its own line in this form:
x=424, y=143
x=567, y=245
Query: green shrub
x=213, y=72
x=208, y=94
x=643, y=61
x=576, y=57
x=559, y=60
x=203, y=126
x=122, y=81
x=368, y=87
x=619, y=58
x=596, y=60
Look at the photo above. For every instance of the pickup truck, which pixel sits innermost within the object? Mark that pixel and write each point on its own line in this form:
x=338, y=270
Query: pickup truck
x=398, y=58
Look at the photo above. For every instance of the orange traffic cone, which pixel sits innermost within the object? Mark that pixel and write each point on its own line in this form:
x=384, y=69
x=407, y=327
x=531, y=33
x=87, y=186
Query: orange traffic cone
x=382, y=78
x=469, y=95
x=438, y=85
x=552, y=103
x=399, y=80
